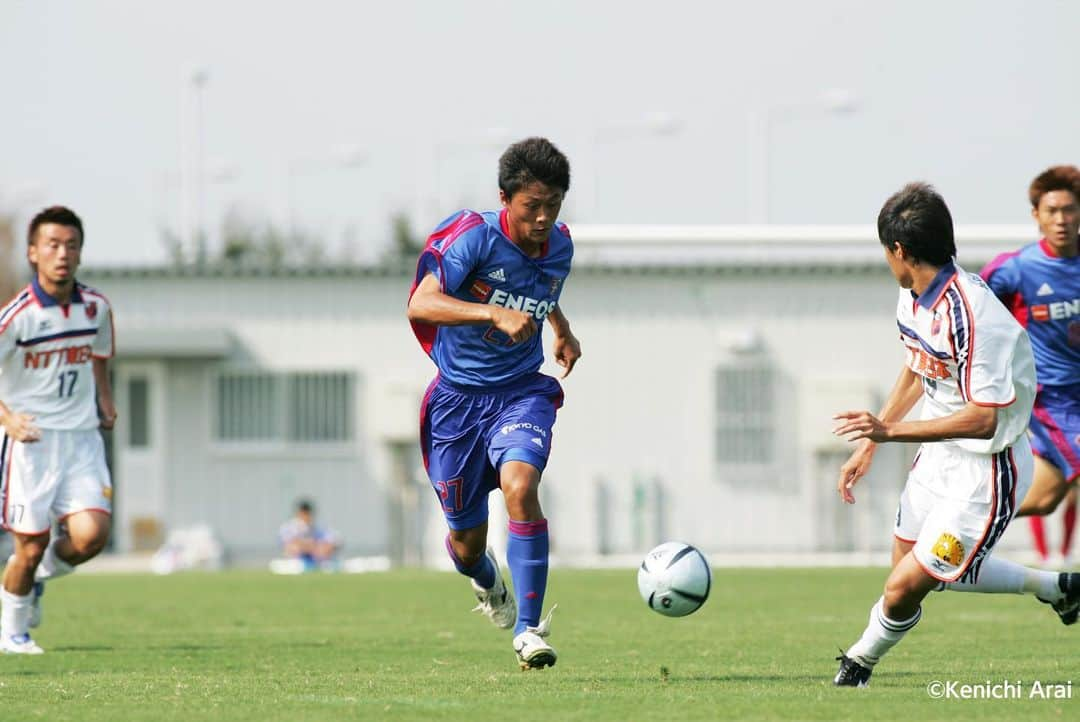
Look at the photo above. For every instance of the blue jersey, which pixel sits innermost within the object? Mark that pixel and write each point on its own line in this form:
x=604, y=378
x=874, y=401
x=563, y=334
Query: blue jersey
x=474, y=259
x=1043, y=292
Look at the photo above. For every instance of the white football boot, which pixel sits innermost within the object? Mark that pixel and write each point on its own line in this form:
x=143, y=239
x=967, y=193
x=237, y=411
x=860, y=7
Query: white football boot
x=21, y=644
x=497, y=603
x=532, y=651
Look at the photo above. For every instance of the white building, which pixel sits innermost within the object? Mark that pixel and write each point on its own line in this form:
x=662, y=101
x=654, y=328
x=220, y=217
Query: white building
x=713, y=361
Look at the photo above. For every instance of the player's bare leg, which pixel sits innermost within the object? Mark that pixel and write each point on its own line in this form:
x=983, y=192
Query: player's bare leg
x=1048, y=488
x=468, y=550
x=527, y=556
x=83, y=536
x=16, y=596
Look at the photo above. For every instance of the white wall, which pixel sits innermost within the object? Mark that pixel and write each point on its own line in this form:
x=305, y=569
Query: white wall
x=639, y=406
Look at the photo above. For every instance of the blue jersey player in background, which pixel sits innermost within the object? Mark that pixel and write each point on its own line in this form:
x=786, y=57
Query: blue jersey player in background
x=484, y=285
x=1040, y=284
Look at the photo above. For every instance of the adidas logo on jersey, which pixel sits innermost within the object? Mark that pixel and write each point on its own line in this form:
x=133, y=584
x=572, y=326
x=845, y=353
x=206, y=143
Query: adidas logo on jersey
x=538, y=441
x=1044, y=290
x=498, y=275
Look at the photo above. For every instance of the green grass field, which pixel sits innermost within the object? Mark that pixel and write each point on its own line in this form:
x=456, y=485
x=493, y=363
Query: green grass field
x=250, y=646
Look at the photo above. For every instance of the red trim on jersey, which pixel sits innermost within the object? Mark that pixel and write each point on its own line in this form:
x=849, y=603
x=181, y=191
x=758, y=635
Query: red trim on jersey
x=906, y=541
x=112, y=328
x=1046, y=248
x=941, y=293
x=17, y=311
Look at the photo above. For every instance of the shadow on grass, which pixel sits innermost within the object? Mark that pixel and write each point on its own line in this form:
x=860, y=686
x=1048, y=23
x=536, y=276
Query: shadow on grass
x=83, y=648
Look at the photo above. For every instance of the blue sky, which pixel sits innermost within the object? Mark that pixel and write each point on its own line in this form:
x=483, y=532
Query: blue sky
x=658, y=105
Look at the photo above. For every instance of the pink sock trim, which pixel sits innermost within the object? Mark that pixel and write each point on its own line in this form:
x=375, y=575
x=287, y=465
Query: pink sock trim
x=528, y=528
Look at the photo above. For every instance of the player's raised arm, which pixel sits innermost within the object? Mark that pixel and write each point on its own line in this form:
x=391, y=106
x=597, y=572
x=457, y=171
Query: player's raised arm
x=428, y=304
x=567, y=348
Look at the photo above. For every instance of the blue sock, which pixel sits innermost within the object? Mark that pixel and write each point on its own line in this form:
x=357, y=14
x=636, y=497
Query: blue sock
x=482, y=571
x=527, y=556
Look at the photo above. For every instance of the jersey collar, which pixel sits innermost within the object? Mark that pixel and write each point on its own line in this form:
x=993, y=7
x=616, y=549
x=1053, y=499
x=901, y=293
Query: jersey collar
x=932, y=294
x=44, y=299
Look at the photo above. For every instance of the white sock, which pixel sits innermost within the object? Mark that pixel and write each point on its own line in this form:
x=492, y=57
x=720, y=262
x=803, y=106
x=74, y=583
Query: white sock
x=51, y=566
x=14, y=613
x=880, y=636
x=1001, y=576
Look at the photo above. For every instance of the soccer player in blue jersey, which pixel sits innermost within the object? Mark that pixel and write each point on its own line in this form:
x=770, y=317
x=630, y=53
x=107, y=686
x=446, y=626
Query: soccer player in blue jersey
x=485, y=283
x=1040, y=284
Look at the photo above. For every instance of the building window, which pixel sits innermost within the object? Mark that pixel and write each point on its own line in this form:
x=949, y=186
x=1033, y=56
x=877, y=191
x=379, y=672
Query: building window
x=139, y=412
x=309, y=407
x=746, y=421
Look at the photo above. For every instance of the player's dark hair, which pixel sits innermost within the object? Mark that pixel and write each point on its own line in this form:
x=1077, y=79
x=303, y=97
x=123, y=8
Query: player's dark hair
x=533, y=159
x=1055, y=178
x=305, y=505
x=54, y=214
x=917, y=218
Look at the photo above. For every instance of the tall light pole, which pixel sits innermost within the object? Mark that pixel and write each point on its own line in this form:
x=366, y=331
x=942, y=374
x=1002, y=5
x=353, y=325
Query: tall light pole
x=658, y=124
x=192, y=148
x=759, y=126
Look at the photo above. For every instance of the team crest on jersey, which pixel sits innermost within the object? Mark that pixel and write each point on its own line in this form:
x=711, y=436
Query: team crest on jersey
x=479, y=290
x=107, y=492
x=935, y=325
x=555, y=282
x=948, y=549
x=91, y=310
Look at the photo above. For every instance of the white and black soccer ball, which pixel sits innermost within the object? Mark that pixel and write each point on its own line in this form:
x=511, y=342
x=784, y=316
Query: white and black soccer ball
x=674, y=579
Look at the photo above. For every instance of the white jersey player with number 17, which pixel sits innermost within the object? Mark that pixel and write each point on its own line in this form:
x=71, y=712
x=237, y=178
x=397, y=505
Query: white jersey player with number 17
x=55, y=339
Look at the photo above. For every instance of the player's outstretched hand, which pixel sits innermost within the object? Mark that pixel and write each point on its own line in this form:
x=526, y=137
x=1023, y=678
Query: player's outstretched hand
x=567, y=352
x=21, y=427
x=855, y=425
x=854, y=469
x=518, y=325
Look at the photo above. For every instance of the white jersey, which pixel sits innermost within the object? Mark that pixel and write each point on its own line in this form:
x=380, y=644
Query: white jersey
x=45, y=355
x=967, y=347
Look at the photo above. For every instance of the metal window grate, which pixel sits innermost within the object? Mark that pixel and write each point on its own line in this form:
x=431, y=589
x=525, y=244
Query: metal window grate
x=746, y=413
x=310, y=407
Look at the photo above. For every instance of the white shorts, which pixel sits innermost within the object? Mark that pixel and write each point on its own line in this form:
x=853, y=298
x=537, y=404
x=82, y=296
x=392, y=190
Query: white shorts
x=62, y=473
x=957, y=504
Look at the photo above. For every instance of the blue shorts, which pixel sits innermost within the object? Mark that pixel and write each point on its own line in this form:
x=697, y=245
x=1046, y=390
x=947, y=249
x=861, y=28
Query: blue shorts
x=1055, y=428
x=467, y=433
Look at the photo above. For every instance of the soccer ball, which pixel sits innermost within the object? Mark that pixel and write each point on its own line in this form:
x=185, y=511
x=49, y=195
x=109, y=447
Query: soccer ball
x=674, y=579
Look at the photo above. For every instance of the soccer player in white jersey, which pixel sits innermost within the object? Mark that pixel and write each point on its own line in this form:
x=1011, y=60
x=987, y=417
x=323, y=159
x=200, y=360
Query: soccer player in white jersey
x=971, y=363
x=55, y=339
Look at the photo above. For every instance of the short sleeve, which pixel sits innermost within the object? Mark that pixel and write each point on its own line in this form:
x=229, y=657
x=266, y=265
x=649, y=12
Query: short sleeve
x=1003, y=276
x=103, y=342
x=461, y=258
x=988, y=378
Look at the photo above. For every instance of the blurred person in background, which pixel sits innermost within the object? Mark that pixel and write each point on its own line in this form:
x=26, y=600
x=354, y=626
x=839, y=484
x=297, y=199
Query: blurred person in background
x=972, y=365
x=1040, y=285
x=302, y=540
x=485, y=283
x=56, y=337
